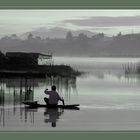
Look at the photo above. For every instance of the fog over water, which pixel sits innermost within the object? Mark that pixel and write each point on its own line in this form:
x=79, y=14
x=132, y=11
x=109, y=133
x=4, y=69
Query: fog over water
x=109, y=99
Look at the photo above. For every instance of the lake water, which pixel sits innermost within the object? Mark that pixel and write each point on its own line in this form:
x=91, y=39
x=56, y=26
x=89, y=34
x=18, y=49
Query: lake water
x=109, y=99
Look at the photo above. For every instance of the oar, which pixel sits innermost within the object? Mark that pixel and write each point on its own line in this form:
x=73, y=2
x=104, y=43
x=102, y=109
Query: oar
x=63, y=101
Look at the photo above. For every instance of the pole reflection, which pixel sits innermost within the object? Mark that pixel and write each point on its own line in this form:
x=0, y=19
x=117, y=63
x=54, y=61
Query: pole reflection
x=13, y=91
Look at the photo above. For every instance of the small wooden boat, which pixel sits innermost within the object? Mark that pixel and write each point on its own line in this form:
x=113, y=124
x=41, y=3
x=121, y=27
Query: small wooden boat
x=34, y=104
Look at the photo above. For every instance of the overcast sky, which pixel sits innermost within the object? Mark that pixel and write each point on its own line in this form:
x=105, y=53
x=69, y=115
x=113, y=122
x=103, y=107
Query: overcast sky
x=107, y=21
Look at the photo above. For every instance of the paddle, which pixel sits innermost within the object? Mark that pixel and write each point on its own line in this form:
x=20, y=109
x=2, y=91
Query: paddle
x=63, y=101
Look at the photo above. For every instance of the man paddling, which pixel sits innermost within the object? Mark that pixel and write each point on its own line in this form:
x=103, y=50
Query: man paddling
x=53, y=97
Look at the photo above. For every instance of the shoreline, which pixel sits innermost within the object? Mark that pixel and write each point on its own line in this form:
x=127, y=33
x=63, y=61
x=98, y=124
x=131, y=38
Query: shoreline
x=39, y=71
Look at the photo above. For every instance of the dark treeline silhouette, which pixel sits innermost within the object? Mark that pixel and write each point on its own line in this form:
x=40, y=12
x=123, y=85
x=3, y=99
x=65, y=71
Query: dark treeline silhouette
x=97, y=45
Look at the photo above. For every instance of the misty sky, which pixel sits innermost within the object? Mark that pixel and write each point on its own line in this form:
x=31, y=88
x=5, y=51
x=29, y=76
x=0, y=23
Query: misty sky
x=108, y=21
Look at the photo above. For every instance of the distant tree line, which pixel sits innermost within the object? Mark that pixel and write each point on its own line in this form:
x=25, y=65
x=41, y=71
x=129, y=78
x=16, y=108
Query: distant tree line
x=98, y=45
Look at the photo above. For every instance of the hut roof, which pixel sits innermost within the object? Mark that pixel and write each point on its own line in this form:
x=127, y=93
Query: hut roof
x=25, y=54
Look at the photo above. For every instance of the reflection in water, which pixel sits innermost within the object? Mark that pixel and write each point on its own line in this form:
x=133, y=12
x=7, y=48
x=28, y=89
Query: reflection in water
x=18, y=90
x=2, y=111
x=13, y=91
x=105, y=93
x=114, y=75
x=29, y=115
x=64, y=85
x=52, y=115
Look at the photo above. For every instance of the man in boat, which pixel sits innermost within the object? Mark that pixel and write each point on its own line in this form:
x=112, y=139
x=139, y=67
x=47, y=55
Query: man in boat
x=53, y=97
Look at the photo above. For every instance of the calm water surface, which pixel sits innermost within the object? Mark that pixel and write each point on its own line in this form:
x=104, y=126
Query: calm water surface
x=109, y=99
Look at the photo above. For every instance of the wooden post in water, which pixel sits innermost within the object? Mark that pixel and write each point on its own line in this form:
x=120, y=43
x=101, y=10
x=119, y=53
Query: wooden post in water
x=20, y=91
x=33, y=90
x=26, y=88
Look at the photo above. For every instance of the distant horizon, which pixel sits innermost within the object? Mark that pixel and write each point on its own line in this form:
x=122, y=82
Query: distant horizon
x=80, y=31
x=109, y=22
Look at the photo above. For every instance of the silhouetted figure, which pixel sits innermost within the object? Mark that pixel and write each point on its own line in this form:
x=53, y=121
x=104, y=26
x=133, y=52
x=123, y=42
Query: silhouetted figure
x=53, y=97
x=53, y=115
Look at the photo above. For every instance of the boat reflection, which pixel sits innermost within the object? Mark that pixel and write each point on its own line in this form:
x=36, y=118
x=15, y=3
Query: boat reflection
x=15, y=90
x=52, y=115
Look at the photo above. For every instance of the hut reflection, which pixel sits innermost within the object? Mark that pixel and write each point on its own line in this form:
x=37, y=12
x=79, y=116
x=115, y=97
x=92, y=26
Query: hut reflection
x=22, y=89
x=13, y=91
x=2, y=99
x=65, y=85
